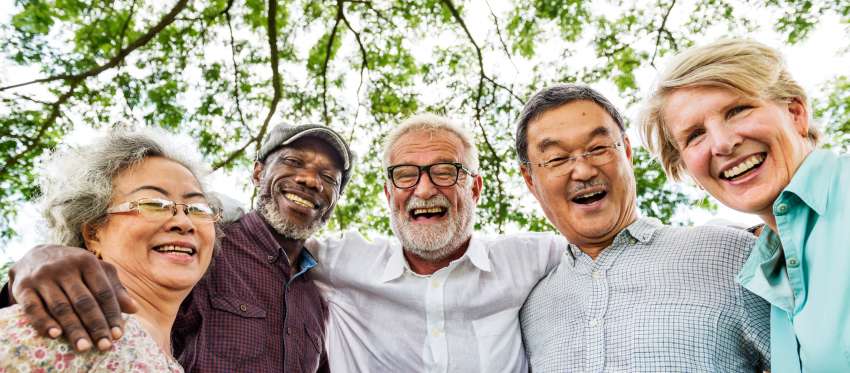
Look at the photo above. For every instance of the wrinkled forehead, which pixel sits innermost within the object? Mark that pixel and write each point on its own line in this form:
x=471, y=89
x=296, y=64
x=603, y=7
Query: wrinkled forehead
x=416, y=145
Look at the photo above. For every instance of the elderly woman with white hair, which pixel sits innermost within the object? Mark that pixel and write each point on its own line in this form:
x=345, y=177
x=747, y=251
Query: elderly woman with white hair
x=729, y=115
x=135, y=199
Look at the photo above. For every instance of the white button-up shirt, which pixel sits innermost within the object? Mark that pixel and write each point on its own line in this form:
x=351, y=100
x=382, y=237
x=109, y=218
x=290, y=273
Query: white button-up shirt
x=463, y=318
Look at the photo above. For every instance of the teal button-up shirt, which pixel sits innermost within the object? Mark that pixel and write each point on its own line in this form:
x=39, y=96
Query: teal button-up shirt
x=804, y=270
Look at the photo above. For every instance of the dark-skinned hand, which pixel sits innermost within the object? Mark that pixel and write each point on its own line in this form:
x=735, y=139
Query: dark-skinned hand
x=67, y=290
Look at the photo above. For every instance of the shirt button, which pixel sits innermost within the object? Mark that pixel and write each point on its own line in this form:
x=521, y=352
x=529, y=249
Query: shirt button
x=270, y=258
x=782, y=209
x=243, y=308
x=594, y=322
x=632, y=241
x=436, y=332
x=435, y=284
x=793, y=262
x=288, y=331
x=596, y=274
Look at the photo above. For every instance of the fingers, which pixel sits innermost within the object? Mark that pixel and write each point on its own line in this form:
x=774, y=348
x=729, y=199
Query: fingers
x=108, y=293
x=68, y=291
x=60, y=308
x=37, y=314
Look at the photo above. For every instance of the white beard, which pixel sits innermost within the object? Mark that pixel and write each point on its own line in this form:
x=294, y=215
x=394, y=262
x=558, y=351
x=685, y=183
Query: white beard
x=268, y=210
x=434, y=241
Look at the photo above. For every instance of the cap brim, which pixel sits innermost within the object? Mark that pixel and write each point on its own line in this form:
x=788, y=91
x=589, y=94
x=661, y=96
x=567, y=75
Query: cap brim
x=330, y=137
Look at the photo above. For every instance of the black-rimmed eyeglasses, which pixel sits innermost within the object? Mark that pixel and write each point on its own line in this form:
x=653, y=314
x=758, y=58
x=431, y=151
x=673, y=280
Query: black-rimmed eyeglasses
x=443, y=174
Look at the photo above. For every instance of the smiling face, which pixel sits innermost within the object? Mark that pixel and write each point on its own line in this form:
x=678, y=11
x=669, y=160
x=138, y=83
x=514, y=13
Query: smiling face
x=743, y=151
x=589, y=204
x=173, y=253
x=299, y=187
x=432, y=222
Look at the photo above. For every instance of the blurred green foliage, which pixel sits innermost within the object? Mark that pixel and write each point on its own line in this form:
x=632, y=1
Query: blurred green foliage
x=208, y=68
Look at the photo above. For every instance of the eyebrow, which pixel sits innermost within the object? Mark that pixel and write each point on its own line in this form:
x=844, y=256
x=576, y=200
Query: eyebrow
x=165, y=192
x=548, y=142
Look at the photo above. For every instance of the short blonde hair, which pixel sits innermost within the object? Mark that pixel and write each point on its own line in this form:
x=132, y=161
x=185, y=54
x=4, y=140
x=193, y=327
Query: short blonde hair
x=747, y=67
x=433, y=123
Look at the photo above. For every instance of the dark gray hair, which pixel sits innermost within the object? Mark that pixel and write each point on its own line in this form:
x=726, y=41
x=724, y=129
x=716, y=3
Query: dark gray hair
x=76, y=183
x=553, y=98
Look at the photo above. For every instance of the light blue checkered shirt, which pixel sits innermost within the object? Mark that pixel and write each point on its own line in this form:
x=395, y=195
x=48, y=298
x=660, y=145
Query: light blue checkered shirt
x=659, y=299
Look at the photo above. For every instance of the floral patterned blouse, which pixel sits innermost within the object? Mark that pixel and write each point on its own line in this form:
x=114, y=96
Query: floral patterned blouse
x=22, y=350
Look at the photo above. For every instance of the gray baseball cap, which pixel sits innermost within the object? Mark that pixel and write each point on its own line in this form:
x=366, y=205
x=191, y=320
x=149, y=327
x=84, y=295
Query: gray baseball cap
x=284, y=134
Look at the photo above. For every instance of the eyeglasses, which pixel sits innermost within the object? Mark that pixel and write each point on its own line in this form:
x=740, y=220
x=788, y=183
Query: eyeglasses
x=444, y=174
x=562, y=164
x=163, y=209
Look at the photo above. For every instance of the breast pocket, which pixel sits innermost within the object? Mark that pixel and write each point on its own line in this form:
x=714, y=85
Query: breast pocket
x=238, y=328
x=500, y=343
x=674, y=337
x=311, y=350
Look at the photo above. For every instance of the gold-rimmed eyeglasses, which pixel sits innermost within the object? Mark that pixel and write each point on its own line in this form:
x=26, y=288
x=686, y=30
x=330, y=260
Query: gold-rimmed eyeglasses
x=156, y=209
x=561, y=164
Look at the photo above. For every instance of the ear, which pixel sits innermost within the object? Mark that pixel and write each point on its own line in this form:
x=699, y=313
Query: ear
x=90, y=239
x=258, y=172
x=628, y=145
x=526, y=175
x=525, y=170
x=386, y=192
x=477, y=187
x=799, y=115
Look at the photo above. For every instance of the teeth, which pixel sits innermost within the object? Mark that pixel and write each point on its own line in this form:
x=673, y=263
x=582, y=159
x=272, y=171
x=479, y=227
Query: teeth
x=744, y=166
x=430, y=210
x=299, y=201
x=591, y=194
x=175, y=249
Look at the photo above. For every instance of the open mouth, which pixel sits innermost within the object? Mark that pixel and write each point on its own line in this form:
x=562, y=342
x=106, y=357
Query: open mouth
x=428, y=212
x=744, y=168
x=171, y=249
x=590, y=197
x=299, y=201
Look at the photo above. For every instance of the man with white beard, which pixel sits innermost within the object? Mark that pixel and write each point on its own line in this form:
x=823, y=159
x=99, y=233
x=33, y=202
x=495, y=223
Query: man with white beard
x=440, y=298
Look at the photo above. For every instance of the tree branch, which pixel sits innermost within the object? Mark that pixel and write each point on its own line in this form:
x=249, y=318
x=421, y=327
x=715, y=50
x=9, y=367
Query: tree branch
x=235, y=66
x=118, y=58
x=479, y=94
x=328, y=51
x=126, y=24
x=277, y=88
x=47, y=123
x=661, y=29
x=499, y=34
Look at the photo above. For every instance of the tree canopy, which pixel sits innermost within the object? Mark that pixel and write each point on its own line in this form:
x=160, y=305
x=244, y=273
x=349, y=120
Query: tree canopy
x=224, y=71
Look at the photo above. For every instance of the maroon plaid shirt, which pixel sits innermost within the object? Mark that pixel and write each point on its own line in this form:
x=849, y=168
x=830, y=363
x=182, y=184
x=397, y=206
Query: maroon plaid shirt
x=249, y=313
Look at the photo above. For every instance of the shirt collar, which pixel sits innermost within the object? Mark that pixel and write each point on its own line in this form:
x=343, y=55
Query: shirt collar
x=812, y=181
x=306, y=261
x=641, y=231
x=396, y=265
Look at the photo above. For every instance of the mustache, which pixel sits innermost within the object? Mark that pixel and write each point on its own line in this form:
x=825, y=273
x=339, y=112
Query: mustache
x=438, y=200
x=280, y=186
x=582, y=185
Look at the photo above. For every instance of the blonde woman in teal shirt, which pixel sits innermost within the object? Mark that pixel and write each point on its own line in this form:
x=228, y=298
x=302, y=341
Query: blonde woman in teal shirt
x=730, y=116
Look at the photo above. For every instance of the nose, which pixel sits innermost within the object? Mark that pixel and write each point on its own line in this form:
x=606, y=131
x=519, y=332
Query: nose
x=723, y=138
x=180, y=221
x=309, y=179
x=583, y=171
x=425, y=189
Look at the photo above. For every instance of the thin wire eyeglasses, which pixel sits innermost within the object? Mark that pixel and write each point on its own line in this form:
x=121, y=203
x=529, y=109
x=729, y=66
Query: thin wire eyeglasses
x=155, y=209
x=443, y=174
x=561, y=165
